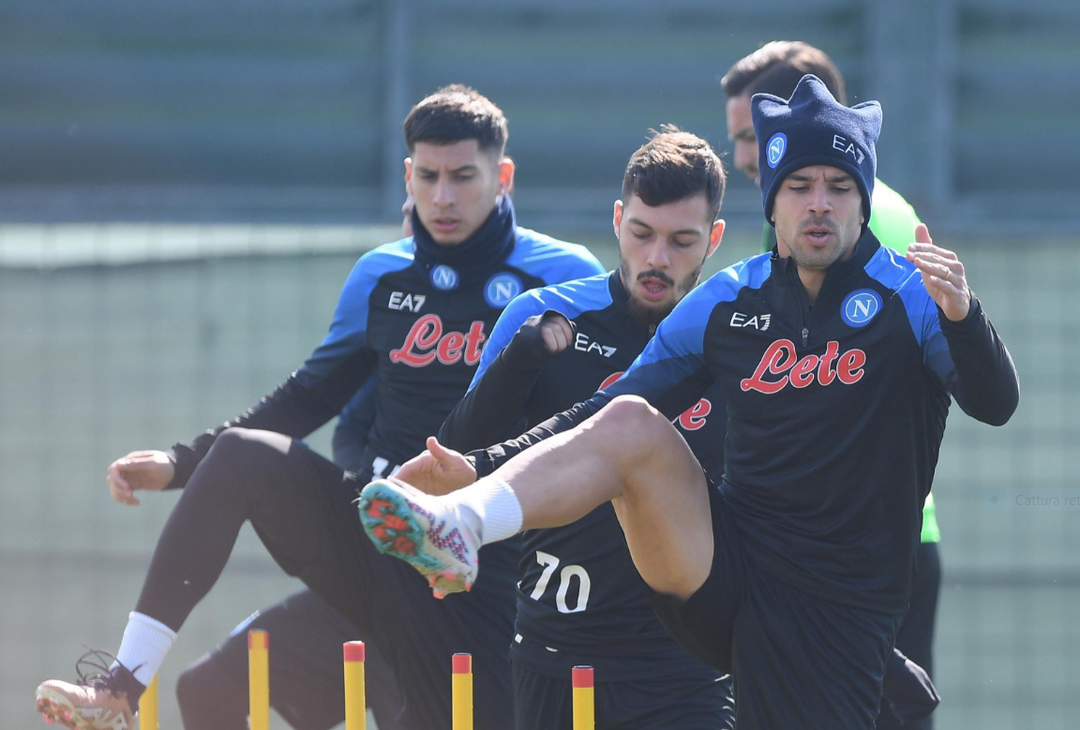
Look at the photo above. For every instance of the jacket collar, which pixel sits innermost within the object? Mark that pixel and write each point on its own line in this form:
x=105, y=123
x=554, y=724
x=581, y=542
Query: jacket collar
x=474, y=259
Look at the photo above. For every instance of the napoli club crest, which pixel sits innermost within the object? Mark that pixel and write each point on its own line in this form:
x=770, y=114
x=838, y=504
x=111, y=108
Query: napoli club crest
x=860, y=307
x=445, y=278
x=500, y=289
x=776, y=148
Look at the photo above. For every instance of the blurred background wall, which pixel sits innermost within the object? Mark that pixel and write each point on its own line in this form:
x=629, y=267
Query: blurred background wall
x=285, y=110
x=185, y=186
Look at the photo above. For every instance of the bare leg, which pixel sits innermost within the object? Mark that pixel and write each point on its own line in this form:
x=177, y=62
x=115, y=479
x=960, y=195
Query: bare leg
x=627, y=454
x=631, y=455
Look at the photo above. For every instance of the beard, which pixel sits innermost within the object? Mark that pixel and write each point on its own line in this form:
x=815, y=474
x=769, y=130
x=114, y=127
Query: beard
x=818, y=260
x=650, y=315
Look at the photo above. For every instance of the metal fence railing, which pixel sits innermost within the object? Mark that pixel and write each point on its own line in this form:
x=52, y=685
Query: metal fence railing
x=241, y=110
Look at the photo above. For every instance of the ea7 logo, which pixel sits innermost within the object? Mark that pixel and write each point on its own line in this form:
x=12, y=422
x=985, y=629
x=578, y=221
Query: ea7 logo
x=759, y=322
x=842, y=144
x=409, y=302
x=582, y=343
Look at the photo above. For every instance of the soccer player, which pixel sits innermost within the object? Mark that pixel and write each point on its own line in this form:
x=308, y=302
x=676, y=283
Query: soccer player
x=774, y=69
x=305, y=675
x=305, y=686
x=579, y=599
x=837, y=362
x=414, y=315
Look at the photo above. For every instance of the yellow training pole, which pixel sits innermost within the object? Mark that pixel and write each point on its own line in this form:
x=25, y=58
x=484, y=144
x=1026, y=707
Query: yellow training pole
x=259, y=680
x=584, y=701
x=463, y=694
x=148, y=707
x=355, y=701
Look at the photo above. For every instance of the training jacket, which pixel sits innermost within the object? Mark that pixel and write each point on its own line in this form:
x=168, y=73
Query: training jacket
x=415, y=316
x=835, y=413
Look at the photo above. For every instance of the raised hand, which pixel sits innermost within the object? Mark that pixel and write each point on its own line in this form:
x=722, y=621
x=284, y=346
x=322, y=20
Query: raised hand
x=942, y=274
x=438, y=470
x=146, y=470
x=556, y=331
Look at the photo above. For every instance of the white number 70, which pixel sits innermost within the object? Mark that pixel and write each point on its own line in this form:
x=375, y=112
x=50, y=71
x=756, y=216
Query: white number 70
x=566, y=575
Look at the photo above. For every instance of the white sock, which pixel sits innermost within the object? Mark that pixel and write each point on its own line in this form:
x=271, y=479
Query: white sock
x=144, y=646
x=490, y=508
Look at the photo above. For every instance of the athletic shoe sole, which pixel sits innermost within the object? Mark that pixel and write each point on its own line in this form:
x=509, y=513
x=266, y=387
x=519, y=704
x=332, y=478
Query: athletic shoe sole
x=56, y=708
x=401, y=528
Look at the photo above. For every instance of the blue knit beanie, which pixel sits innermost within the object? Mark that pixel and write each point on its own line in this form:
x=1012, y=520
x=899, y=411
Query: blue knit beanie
x=813, y=128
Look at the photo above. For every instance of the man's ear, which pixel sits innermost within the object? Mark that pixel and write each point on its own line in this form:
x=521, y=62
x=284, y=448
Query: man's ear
x=715, y=236
x=616, y=217
x=506, y=176
x=408, y=176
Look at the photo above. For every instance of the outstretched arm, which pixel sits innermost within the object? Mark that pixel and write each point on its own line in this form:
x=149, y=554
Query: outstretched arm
x=319, y=389
x=494, y=407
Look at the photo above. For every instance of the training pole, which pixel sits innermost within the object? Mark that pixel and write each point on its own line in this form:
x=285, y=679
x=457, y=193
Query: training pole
x=584, y=700
x=259, y=680
x=148, y=707
x=463, y=694
x=355, y=701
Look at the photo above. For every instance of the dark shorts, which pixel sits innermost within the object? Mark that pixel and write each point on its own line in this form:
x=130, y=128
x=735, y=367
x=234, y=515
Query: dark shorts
x=916, y=634
x=798, y=661
x=543, y=702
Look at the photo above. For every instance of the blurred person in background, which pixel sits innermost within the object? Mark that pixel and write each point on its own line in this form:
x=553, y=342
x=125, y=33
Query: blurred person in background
x=413, y=315
x=775, y=69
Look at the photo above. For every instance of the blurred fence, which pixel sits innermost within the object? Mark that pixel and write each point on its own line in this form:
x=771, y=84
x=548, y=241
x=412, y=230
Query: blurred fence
x=136, y=350
x=253, y=111
x=282, y=119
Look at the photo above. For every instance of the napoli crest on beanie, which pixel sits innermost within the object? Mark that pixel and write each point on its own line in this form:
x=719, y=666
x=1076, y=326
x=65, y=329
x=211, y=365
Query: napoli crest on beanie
x=813, y=128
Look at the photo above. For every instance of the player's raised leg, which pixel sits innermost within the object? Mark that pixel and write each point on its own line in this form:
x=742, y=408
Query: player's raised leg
x=628, y=454
x=279, y=486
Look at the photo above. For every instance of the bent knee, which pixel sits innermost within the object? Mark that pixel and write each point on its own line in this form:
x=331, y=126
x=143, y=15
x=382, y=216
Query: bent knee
x=253, y=447
x=232, y=441
x=633, y=422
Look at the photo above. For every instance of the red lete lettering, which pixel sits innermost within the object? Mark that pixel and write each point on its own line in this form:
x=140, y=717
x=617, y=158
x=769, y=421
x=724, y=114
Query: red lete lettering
x=610, y=379
x=427, y=342
x=780, y=359
x=692, y=419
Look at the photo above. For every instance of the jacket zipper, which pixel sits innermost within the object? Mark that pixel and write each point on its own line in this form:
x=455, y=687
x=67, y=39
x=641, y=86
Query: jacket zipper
x=804, y=304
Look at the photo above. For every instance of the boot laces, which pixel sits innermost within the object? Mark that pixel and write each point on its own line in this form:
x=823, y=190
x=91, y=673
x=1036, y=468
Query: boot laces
x=93, y=669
